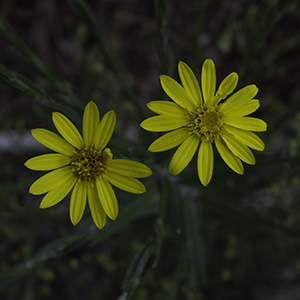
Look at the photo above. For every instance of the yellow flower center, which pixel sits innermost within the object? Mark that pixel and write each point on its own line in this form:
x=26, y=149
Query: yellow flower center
x=89, y=163
x=206, y=123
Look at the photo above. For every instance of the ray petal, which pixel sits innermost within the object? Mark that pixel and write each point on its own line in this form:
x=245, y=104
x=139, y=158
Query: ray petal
x=107, y=198
x=78, y=201
x=97, y=211
x=183, y=155
x=177, y=93
x=239, y=149
x=229, y=158
x=247, y=137
x=52, y=141
x=246, y=123
x=240, y=98
x=67, y=130
x=190, y=83
x=208, y=80
x=105, y=130
x=226, y=87
x=164, y=123
x=56, y=195
x=247, y=109
x=127, y=184
x=51, y=180
x=90, y=122
x=170, y=140
x=46, y=162
x=167, y=108
x=129, y=168
x=205, y=162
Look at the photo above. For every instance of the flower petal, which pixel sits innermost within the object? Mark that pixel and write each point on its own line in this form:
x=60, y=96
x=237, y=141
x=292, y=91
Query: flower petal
x=52, y=141
x=169, y=140
x=97, y=211
x=129, y=168
x=59, y=193
x=46, y=162
x=127, y=184
x=240, y=98
x=247, y=137
x=51, y=181
x=183, y=155
x=67, y=130
x=208, y=80
x=190, y=83
x=247, y=109
x=164, y=123
x=205, y=162
x=167, y=108
x=226, y=87
x=78, y=201
x=239, y=149
x=177, y=93
x=246, y=123
x=107, y=198
x=105, y=130
x=90, y=122
x=229, y=158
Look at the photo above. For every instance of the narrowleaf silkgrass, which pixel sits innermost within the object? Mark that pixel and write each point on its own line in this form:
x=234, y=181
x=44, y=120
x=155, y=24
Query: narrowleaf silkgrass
x=178, y=240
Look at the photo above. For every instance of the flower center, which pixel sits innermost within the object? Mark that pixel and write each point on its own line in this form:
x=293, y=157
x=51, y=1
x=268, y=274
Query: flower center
x=89, y=163
x=206, y=123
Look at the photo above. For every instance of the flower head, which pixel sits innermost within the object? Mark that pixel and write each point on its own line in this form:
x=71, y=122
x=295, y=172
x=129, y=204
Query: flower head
x=200, y=119
x=82, y=163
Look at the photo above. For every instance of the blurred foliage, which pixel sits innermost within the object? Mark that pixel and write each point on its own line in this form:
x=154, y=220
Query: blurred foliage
x=238, y=238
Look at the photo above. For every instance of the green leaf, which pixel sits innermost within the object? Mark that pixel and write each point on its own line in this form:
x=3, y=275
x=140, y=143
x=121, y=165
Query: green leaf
x=107, y=51
x=135, y=270
x=33, y=61
x=27, y=87
x=194, y=242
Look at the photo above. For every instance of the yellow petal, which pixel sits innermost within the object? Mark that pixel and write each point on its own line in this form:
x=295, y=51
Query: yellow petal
x=166, y=108
x=67, y=130
x=226, y=87
x=190, y=83
x=170, y=140
x=59, y=193
x=183, y=155
x=239, y=149
x=105, y=130
x=240, y=98
x=127, y=184
x=246, y=123
x=129, y=168
x=107, y=198
x=164, y=123
x=208, y=80
x=247, y=109
x=90, y=122
x=52, y=141
x=177, y=93
x=47, y=162
x=51, y=180
x=97, y=211
x=247, y=137
x=205, y=162
x=229, y=158
x=78, y=201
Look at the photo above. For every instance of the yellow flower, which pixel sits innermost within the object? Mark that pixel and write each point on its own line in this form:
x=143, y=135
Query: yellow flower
x=84, y=165
x=196, y=118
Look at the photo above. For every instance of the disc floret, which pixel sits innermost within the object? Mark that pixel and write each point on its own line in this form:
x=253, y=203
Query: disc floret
x=89, y=163
x=206, y=122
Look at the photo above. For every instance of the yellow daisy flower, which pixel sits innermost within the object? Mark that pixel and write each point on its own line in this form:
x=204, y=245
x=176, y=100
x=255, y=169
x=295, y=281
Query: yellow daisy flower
x=82, y=163
x=196, y=118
